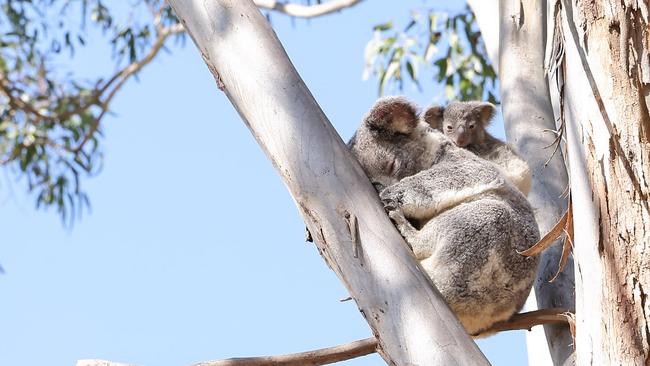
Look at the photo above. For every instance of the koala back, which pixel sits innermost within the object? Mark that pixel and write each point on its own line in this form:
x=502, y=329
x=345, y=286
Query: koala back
x=468, y=244
x=474, y=261
x=512, y=165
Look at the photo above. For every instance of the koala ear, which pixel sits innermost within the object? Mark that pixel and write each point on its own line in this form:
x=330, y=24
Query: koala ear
x=392, y=114
x=433, y=116
x=485, y=112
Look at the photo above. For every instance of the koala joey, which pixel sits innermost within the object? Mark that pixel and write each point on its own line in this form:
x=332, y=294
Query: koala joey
x=463, y=220
x=465, y=124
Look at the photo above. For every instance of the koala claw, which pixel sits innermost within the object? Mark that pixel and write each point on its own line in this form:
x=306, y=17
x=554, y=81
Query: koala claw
x=397, y=216
x=391, y=202
x=390, y=205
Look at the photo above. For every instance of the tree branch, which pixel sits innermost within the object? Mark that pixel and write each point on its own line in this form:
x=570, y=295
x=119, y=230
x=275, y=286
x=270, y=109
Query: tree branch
x=322, y=356
x=411, y=321
x=364, y=347
x=527, y=320
x=123, y=75
x=306, y=11
x=17, y=102
x=528, y=116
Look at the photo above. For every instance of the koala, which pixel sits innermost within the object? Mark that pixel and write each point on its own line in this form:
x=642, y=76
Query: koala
x=462, y=218
x=465, y=124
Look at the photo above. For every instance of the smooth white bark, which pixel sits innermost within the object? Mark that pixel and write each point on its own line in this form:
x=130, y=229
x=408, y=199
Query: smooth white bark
x=529, y=120
x=306, y=11
x=409, y=318
x=487, y=17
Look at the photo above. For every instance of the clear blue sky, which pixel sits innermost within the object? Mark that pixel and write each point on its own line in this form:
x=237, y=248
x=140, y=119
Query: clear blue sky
x=194, y=249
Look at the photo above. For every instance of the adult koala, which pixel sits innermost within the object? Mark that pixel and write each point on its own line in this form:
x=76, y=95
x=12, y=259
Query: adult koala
x=464, y=221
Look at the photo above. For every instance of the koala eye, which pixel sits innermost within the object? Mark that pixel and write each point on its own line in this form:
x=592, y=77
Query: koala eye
x=471, y=126
x=449, y=128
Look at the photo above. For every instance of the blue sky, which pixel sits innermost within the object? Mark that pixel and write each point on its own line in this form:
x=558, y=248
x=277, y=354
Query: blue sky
x=194, y=249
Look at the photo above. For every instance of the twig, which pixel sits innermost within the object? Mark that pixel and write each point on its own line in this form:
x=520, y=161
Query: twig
x=306, y=11
x=525, y=321
x=17, y=102
x=322, y=356
x=123, y=75
x=368, y=346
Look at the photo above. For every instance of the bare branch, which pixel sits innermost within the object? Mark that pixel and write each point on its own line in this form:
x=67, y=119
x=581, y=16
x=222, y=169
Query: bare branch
x=306, y=11
x=123, y=75
x=530, y=319
x=322, y=356
x=325, y=356
x=522, y=321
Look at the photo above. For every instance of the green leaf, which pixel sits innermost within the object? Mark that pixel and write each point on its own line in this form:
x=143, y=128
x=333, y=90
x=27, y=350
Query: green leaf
x=412, y=71
x=383, y=27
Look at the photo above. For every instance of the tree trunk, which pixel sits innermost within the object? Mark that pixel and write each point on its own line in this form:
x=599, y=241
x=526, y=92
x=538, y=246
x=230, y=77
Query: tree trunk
x=528, y=118
x=411, y=321
x=606, y=92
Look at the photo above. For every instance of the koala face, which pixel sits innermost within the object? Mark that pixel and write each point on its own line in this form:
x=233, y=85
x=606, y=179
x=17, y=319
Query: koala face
x=392, y=142
x=463, y=122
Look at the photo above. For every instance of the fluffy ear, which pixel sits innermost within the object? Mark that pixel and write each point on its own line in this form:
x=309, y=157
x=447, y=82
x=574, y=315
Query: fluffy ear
x=433, y=116
x=392, y=114
x=485, y=112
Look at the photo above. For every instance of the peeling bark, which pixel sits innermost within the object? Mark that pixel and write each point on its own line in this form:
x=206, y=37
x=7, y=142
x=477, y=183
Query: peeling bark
x=606, y=94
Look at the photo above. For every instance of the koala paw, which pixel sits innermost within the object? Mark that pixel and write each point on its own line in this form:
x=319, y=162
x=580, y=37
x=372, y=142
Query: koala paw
x=391, y=201
x=397, y=216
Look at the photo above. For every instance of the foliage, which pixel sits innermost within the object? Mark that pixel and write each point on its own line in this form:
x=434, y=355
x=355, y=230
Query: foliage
x=50, y=132
x=50, y=118
x=449, y=43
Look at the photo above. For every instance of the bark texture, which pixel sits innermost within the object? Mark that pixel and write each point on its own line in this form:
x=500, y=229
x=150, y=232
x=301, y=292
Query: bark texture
x=412, y=323
x=606, y=94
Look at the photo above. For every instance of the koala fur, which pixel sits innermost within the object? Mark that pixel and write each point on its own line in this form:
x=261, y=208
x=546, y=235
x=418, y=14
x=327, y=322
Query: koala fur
x=465, y=123
x=464, y=221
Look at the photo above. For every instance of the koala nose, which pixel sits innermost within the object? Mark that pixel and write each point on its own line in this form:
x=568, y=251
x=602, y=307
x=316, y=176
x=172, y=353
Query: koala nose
x=461, y=137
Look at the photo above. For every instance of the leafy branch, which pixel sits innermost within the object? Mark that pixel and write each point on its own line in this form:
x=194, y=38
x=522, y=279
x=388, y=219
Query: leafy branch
x=450, y=44
x=50, y=127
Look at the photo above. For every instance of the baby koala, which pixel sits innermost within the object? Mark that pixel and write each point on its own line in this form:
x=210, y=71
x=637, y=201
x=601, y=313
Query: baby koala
x=462, y=218
x=465, y=123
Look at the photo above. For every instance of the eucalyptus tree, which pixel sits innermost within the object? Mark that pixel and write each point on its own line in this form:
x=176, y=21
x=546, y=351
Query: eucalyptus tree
x=572, y=75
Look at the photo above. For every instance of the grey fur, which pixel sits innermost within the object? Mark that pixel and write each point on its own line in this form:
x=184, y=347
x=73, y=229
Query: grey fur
x=465, y=123
x=462, y=218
